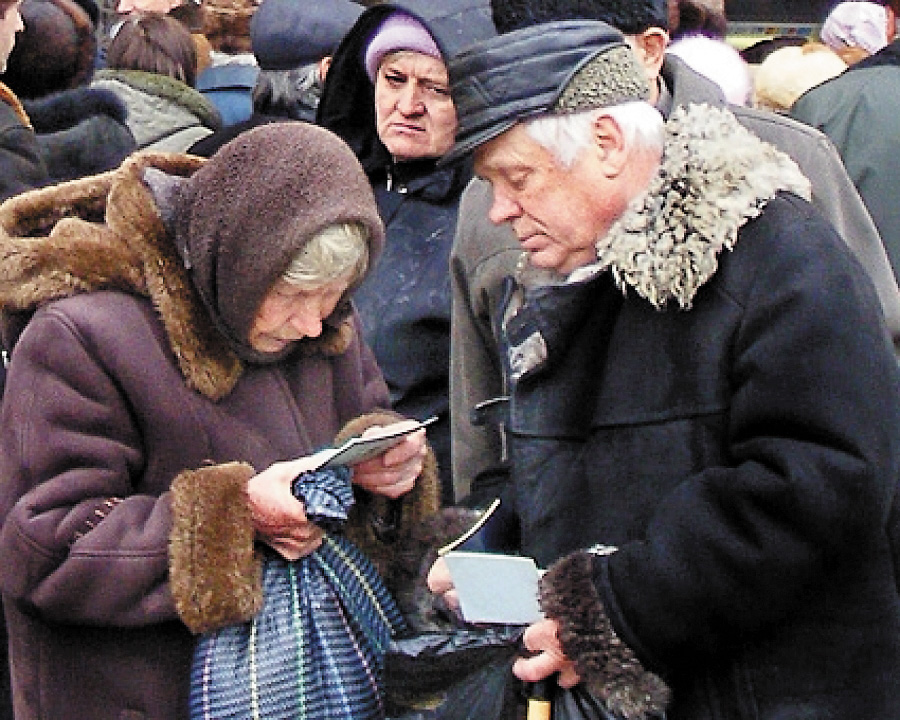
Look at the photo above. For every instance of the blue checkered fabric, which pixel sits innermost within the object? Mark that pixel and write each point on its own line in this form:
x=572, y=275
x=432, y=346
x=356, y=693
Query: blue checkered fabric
x=315, y=649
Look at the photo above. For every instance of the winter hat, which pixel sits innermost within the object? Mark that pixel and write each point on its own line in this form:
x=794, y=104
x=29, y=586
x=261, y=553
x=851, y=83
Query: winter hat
x=56, y=50
x=287, y=34
x=862, y=24
x=718, y=61
x=226, y=24
x=243, y=216
x=560, y=67
x=789, y=72
x=627, y=16
x=398, y=31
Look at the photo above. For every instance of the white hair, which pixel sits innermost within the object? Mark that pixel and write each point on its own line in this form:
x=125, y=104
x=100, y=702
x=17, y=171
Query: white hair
x=333, y=252
x=567, y=135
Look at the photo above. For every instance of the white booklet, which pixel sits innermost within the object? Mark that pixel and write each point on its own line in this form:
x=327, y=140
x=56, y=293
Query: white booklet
x=495, y=588
x=359, y=449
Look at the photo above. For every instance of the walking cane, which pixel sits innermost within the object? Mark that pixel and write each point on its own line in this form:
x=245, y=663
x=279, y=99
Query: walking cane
x=540, y=699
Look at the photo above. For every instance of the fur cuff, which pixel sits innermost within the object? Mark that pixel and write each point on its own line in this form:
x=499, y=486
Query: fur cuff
x=607, y=666
x=215, y=576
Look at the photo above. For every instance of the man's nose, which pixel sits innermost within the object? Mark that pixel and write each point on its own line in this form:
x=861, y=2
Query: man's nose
x=503, y=209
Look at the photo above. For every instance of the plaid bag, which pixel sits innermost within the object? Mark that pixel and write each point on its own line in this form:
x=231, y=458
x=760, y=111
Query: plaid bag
x=315, y=650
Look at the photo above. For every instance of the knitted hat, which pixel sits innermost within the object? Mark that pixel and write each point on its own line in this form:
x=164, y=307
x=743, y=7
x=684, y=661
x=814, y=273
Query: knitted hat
x=627, y=16
x=288, y=34
x=560, y=67
x=56, y=50
x=244, y=215
x=862, y=24
x=398, y=31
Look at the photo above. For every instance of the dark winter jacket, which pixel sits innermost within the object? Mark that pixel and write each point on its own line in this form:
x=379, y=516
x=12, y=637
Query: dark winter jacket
x=708, y=439
x=119, y=385
x=405, y=303
x=80, y=132
x=484, y=254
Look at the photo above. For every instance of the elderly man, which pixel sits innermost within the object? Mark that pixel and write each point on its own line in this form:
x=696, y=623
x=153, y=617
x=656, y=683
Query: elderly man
x=482, y=255
x=703, y=401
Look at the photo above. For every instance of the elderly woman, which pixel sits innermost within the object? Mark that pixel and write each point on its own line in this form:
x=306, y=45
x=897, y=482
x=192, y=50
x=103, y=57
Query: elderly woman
x=179, y=358
x=387, y=95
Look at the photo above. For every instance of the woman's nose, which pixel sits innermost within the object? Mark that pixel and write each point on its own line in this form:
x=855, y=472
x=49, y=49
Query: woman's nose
x=307, y=321
x=410, y=101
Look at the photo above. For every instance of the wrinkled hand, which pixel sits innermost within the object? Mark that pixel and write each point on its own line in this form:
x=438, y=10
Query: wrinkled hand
x=395, y=472
x=541, y=638
x=441, y=584
x=278, y=517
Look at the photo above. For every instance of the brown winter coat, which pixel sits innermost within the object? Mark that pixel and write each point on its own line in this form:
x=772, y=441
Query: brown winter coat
x=119, y=385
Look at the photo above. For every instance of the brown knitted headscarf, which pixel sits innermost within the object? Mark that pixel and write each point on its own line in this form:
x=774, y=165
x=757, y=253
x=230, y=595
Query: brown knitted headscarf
x=243, y=216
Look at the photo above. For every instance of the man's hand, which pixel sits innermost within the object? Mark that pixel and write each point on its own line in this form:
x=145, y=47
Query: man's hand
x=395, y=472
x=541, y=639
x=280, y=518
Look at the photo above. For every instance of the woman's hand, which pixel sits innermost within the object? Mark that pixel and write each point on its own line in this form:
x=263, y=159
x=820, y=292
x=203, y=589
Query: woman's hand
x=280, y=518
x=395, y=472
x=541, y=639
x=441, y=584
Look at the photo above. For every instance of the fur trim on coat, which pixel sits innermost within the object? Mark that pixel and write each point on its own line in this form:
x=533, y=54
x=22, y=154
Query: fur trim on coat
x=216, y=577
x=666, y=245
x=607, y=666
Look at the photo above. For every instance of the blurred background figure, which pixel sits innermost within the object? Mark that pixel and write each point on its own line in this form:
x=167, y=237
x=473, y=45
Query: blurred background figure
x=81, y=131
x=858, y=111
x=720, y=62
x=788, y=72
x=855, y=30
x=152, y=67
x=697, y=17
x=292, y=45
x=229, y=78
x=387, y=95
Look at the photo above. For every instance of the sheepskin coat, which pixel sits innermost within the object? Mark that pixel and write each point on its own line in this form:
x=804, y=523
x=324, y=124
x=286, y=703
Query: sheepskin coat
x=129, y=430
x=703, y=426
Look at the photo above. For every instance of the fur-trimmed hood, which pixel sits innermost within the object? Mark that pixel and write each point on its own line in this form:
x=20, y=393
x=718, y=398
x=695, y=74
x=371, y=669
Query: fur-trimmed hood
x=715, y=176
x=105, y=232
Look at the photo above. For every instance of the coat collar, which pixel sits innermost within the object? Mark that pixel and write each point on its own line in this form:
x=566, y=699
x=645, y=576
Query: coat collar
x=715, y=176
x=105, y=232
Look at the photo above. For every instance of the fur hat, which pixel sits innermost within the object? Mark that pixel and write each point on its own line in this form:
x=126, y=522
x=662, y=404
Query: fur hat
x=718, y=61
x=398, y=31
x=56, y=50
x=226, y=24
x=627, y=16
x=237, y=230
x=560, y=67
x=288, y=34
x=789, y=72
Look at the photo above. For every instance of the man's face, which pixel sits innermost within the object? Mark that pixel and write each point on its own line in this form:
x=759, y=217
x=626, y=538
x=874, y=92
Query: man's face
x=10, y=24
x=557, y=213
x=414, y=113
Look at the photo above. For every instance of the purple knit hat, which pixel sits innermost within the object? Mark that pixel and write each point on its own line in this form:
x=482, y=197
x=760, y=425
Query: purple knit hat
x=398, y=31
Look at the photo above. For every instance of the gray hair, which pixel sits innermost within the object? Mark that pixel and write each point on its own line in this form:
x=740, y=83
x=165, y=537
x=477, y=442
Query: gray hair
x=566, y=135
x=332, y=253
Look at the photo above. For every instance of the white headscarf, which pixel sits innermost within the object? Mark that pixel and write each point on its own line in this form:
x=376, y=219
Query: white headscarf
x=856, y=24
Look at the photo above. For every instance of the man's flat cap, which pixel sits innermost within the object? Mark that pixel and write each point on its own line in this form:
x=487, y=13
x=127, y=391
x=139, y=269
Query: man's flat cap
x=559, y=67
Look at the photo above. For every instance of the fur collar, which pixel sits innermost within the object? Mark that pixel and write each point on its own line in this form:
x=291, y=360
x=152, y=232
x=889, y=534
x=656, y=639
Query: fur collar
x=11, y=99
x=715, y=176
x=105, y=232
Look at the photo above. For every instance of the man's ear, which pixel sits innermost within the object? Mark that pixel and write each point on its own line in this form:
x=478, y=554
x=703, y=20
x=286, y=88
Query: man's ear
x=650, y=48
x=610, y=145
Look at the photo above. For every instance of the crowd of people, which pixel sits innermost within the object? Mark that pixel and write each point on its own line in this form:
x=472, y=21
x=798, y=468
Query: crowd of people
x=644, y=278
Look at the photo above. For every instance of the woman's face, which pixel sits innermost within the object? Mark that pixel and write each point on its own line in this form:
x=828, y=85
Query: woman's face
x=414, y=114
x=289, y=313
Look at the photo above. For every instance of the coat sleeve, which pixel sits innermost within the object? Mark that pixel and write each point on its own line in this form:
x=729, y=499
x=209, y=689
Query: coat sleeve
x=79, y=543
x=482, y=256
x=21, y=165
